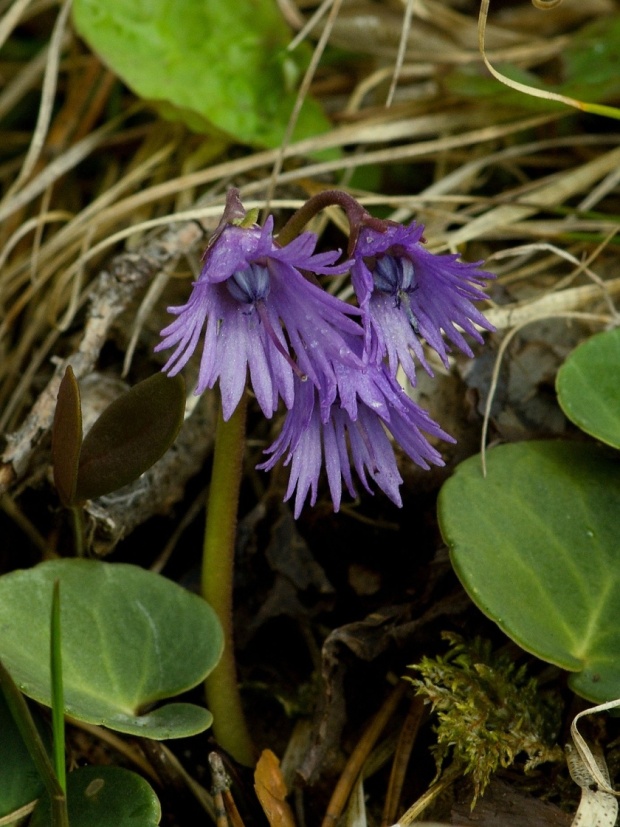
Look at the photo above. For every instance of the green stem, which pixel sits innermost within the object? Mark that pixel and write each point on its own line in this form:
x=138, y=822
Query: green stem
x=222, y=690
x=79, y=531
x=29, y=732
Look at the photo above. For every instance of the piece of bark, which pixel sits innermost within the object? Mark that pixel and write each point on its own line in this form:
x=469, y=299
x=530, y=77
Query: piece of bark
x=505, y=806
x=389, y=629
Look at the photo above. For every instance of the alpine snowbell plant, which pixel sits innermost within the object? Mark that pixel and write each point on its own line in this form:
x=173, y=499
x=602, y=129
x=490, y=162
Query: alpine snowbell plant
x=260, y=311
x=333, y=365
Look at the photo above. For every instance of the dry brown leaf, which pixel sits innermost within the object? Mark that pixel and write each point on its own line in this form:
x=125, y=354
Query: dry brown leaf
x=271, y=791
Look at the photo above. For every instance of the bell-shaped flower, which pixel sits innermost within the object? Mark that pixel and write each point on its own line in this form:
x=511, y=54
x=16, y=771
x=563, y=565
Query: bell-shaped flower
x=352, y=430
x=408, y=294
x=260, y=315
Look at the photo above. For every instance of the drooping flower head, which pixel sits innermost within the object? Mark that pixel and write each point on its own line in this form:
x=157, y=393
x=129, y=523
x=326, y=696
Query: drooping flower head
x=251, y=291
x=351, y=428
x=408, y=294
x=333, y=365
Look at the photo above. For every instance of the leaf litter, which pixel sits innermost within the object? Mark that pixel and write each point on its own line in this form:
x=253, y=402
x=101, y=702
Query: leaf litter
x=103, y=198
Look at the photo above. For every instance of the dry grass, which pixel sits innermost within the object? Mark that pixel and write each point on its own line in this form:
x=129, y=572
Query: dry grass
x=59, y=225
x=536, y=193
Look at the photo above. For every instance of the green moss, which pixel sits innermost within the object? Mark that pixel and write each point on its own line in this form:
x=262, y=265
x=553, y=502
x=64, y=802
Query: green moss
x=488, y=711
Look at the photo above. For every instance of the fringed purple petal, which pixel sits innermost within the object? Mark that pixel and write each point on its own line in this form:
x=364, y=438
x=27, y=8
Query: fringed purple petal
x=342, y=441
x=436, y=302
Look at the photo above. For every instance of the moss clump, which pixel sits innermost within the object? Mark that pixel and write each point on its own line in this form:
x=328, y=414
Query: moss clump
x=488, y=711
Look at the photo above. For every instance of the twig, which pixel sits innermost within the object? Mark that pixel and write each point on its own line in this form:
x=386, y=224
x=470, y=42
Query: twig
x=404, y=747
x=359, y=755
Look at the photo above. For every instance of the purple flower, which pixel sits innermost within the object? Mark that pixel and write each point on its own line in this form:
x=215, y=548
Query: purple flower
x=352, y=430
x=260, y=314
x=408, y=294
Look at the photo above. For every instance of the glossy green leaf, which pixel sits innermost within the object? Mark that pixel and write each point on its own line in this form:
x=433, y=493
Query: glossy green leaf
x=130, y=435
x=67, y=437
x=588, y=386
x=130, y=638
x=105, y=797
x=535, y=544
x=221, y=67
x=20, y=782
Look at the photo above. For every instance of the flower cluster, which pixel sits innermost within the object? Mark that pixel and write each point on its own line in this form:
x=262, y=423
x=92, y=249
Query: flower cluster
x=332, y=365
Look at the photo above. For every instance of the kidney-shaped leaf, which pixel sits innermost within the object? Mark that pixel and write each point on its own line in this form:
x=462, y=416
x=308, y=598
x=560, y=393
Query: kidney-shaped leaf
x=588, y=386
x=130, y=435
x=535, y=544
x=130, y=638
x=104, y=797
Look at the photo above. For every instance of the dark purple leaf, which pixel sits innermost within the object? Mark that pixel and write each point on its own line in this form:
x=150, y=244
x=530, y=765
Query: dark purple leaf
x=131, y=435
x=67, y=438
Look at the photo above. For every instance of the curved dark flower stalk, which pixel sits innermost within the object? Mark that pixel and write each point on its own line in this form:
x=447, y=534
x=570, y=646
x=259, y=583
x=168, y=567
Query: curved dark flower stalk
x=332, y=365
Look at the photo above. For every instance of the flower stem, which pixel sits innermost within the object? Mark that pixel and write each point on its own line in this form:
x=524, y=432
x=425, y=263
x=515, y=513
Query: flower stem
x=222, y=691
x=79, y=530
x=356, y=214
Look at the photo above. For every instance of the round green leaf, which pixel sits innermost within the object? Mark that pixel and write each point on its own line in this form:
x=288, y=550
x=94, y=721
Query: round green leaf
x=20, y=782
x=104, y=797
x=130, y=638
x=588, y=387
x=535, y=544
x=221, y=67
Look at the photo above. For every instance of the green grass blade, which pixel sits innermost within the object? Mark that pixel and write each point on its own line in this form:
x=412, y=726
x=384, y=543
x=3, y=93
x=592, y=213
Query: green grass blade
x=21, y=714
x=58, y=703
